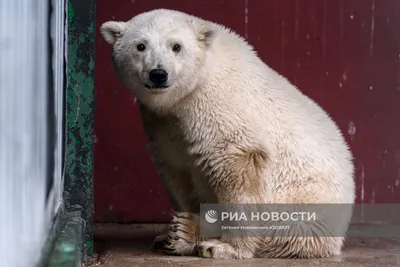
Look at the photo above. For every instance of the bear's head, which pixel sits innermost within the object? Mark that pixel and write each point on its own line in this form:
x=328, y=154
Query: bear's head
x=161, y=55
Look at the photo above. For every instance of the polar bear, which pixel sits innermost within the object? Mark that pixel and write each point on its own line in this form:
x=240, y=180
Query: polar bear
x=226, y=128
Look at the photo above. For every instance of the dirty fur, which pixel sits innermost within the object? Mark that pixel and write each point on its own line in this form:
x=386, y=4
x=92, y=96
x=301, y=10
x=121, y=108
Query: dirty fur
x=229, y=129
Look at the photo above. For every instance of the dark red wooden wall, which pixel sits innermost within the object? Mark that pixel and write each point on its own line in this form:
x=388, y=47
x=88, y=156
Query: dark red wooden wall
x=345, y=54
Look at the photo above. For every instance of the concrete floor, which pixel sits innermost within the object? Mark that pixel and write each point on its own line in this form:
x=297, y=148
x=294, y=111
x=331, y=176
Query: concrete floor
x=129, y=246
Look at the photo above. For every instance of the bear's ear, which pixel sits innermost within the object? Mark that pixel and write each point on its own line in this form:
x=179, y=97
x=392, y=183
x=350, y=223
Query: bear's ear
x=112, y=31
x=204, y=31
x=206, y=34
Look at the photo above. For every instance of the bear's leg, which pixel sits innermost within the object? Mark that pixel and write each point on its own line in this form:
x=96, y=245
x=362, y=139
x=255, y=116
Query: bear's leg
x=179, y=186
x=236, y=179
x=176, y=180
x=180, y=190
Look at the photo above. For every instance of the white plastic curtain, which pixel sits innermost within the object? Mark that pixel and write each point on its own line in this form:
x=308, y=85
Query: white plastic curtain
x=28, y=201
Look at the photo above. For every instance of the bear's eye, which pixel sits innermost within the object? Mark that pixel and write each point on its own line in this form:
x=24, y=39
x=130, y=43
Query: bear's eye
x=176, y=48
x=140, y=47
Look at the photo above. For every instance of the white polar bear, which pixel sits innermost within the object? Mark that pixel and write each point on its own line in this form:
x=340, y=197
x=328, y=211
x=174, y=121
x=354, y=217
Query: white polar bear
x=225, y=128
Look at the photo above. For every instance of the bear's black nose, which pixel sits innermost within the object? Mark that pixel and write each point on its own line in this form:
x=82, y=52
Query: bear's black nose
x=158, y=76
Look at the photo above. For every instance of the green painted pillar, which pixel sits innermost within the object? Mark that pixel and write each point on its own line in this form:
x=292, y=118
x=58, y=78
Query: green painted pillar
x=78, y=185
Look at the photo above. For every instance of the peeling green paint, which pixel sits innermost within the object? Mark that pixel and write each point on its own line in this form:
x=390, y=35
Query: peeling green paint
x=89, y=244
x=80, y=108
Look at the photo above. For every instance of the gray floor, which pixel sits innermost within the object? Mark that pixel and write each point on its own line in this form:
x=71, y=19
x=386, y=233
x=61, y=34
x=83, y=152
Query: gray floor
x=128, y=246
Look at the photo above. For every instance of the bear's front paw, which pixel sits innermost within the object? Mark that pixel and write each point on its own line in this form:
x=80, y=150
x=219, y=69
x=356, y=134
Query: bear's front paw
x=215, y=249
x=181, y=239
x=161, y=243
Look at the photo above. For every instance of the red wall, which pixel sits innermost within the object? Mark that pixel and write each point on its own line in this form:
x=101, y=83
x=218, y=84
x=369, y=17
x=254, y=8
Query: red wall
x=345, y=54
